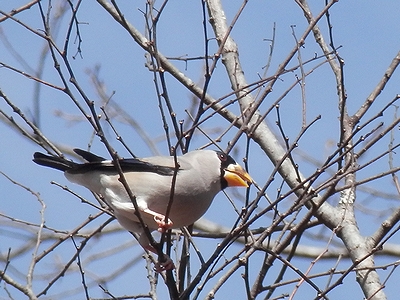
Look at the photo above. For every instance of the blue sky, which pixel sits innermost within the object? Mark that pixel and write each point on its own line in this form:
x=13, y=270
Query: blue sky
x=367, y=32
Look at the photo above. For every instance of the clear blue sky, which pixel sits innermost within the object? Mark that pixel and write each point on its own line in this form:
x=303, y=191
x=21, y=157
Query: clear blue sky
x=368, y=32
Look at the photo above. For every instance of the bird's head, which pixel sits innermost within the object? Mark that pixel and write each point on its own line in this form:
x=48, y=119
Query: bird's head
x=232, y=174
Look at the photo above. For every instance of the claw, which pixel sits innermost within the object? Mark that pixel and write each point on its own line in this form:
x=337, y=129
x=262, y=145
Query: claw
x=162, y=226
x=167, y=265
x=160, y=220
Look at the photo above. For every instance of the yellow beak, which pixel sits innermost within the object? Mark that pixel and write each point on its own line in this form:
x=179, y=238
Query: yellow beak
x=235, y=175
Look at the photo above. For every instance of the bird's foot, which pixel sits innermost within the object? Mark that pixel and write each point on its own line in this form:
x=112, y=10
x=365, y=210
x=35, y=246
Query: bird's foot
x=164, y=262
x=160, y=220
x=162, y=225
x=166, y=265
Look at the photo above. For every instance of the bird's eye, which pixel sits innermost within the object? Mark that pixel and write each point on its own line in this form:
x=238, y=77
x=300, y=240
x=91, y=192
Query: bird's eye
x=222, y=156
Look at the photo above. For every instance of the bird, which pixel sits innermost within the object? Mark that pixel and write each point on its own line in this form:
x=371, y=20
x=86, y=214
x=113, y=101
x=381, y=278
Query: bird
x=195, y=179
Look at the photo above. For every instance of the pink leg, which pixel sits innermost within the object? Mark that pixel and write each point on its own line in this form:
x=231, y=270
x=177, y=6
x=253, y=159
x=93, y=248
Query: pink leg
x=160, y=220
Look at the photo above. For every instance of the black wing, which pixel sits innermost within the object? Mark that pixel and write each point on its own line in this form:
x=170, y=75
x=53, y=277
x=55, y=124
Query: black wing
x=90, y=157
x=98, y=163
x=127, y=164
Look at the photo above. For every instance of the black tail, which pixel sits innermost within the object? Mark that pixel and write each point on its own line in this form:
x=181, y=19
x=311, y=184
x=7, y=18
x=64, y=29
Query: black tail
x=53, y=161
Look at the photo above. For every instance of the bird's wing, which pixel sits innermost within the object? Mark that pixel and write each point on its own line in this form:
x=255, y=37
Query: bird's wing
x=89, y=156
x=159, y=164
x=137, y=165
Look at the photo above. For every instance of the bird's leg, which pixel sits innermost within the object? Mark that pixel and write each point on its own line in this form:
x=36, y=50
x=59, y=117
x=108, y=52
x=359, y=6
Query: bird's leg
x=160, y=220
x=164, y=262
